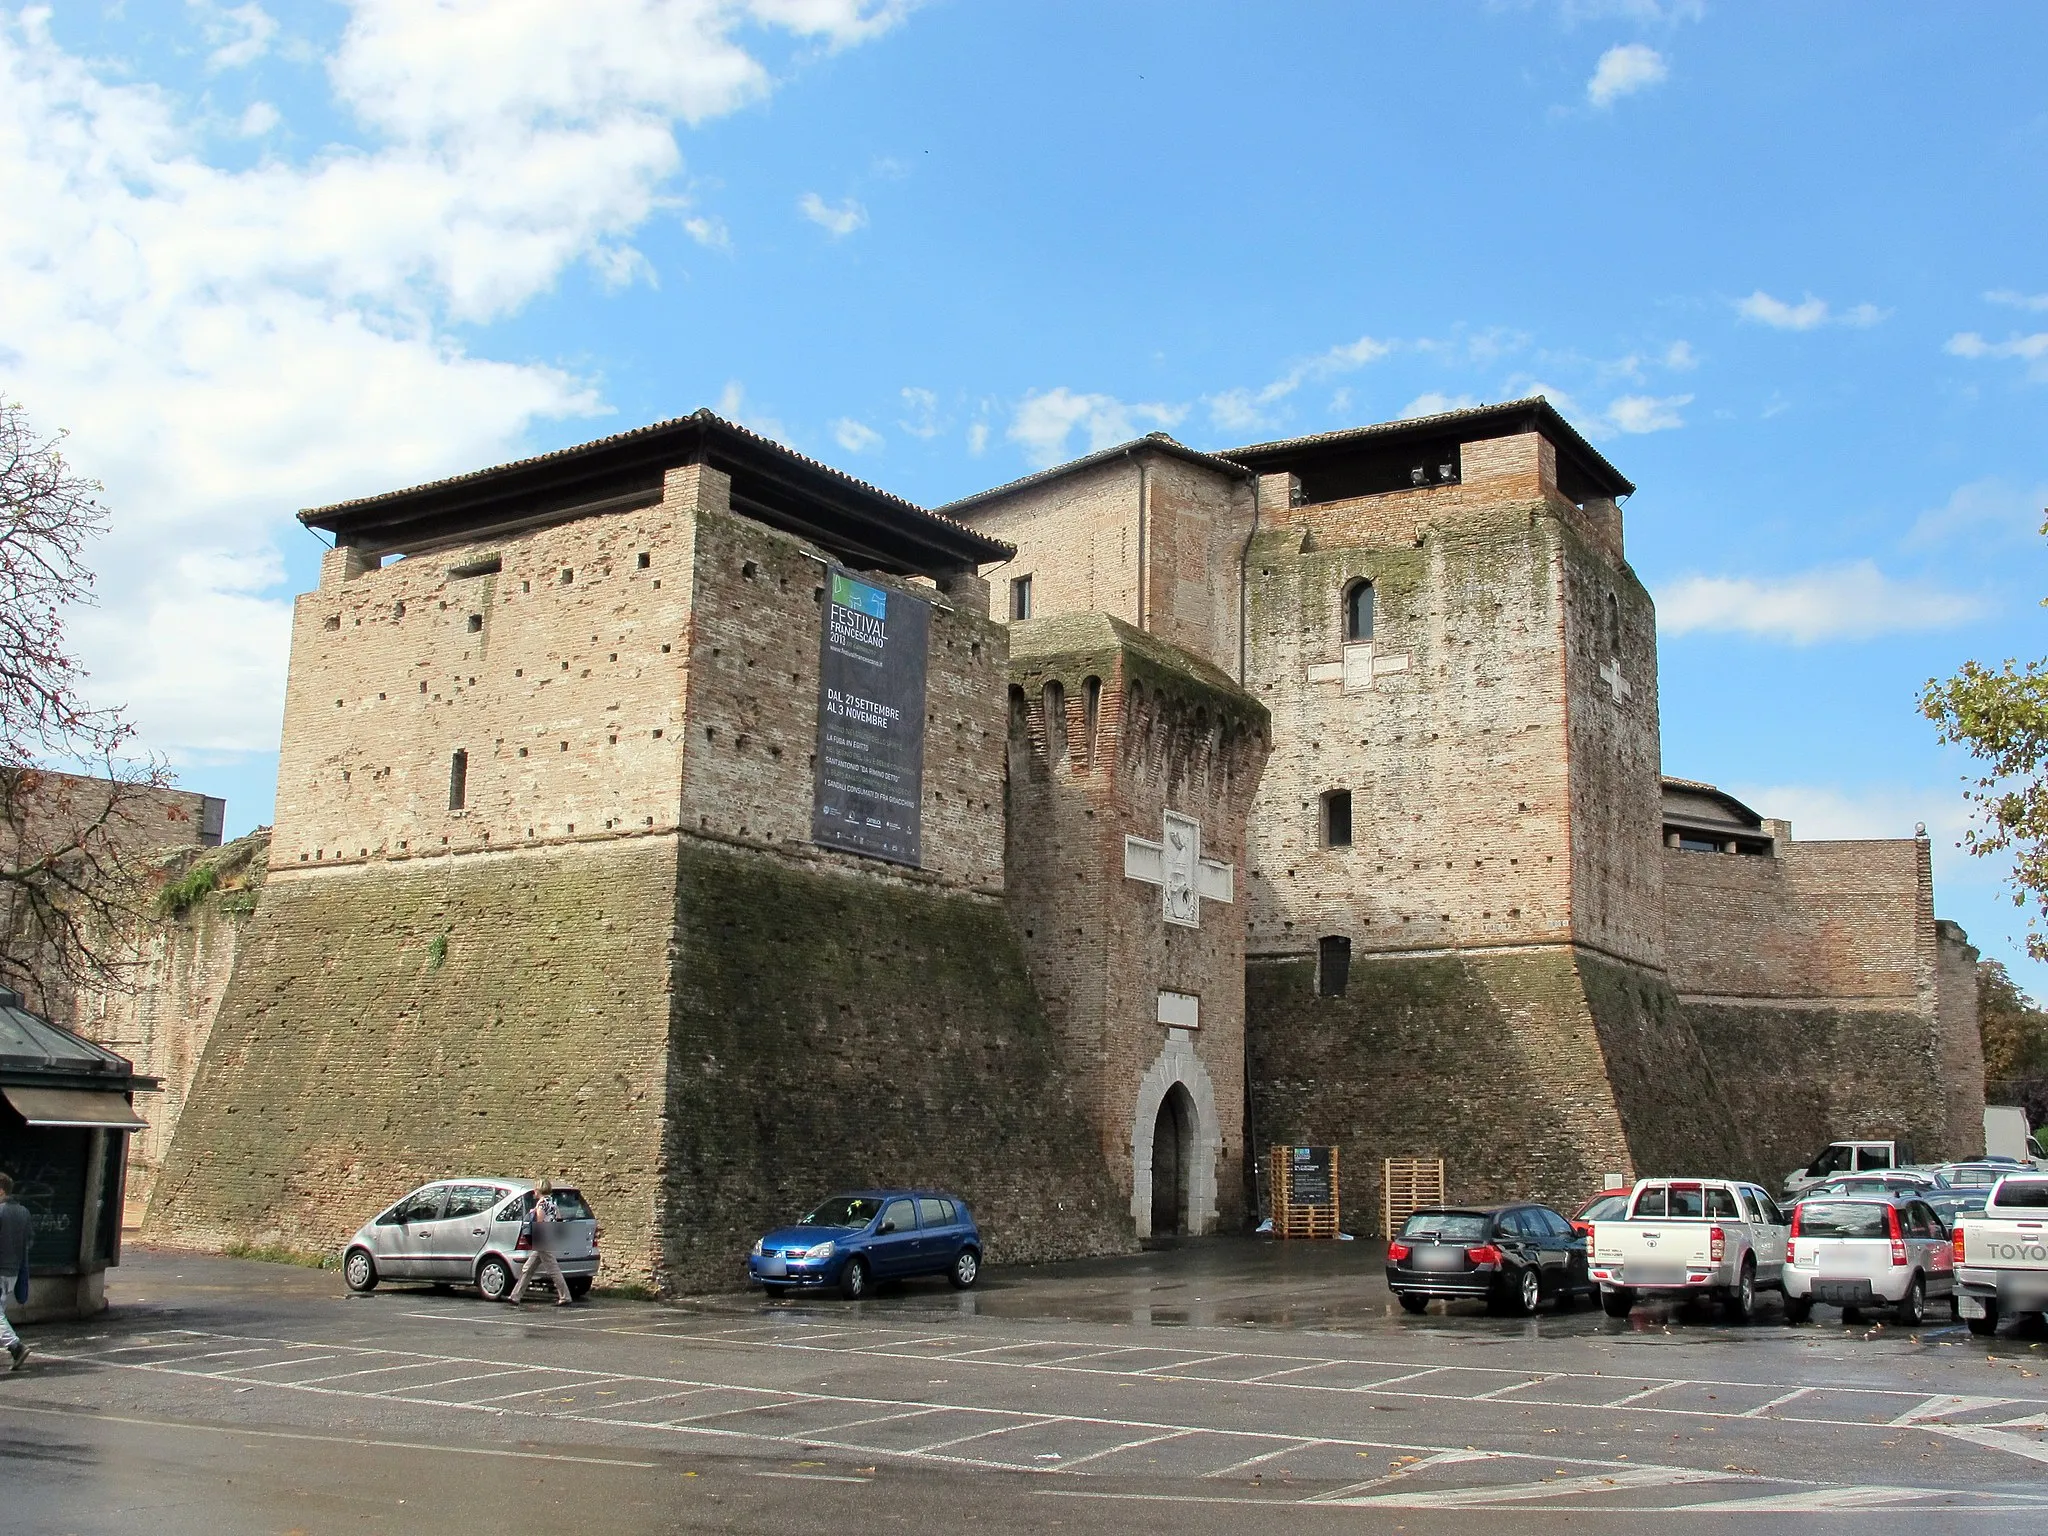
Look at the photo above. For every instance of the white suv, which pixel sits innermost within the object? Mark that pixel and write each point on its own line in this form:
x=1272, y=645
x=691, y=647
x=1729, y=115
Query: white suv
x=1853, y=1251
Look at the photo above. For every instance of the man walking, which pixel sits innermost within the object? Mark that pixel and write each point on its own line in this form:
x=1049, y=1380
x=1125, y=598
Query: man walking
x=16, y=1228
x=547, y=1236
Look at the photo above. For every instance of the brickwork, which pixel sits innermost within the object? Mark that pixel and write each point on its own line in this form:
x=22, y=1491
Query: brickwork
x=1961, y=1050
x=1110, y=729
x=503, y=1013
x=163, y=1019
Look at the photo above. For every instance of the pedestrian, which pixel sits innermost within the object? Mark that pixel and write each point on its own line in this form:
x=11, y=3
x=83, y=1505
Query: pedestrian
x=545, y=1224
x=16, y=1228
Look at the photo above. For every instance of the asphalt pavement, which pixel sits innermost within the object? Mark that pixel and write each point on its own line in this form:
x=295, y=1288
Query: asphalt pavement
x=1228, y=1386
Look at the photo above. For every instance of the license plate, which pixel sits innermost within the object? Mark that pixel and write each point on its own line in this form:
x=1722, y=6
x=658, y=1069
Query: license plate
x=1439, y=1259
x=1652, y=1275
x=774, y=1266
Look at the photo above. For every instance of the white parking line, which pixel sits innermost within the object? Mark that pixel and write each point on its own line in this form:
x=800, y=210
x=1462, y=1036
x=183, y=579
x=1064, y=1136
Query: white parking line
x=553, y=1386
x=1514, y=1493
x=1252, y=1461
x=1033, y=1421
x=1129, y=1445
x=373, y=1370
x=1777, y=1402
x=1513, y=1386
x=1637, y=1397
x=1941, y=1407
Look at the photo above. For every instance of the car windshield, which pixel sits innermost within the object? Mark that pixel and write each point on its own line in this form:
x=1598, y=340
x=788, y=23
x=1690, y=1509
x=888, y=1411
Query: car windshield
x=1605, y=1208
x=843, y=1211
x=1843, y=1218
x=1447, y=1227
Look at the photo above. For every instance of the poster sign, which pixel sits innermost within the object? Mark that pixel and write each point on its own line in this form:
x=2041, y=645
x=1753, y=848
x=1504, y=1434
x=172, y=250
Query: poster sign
x=870, y=782
x=1308, y=1176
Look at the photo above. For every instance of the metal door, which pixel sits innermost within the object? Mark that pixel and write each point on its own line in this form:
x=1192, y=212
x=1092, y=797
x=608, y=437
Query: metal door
x=405, y=1232
x=464, y=1228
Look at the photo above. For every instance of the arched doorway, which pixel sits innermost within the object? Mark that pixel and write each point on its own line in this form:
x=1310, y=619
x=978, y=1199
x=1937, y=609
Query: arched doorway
x=1173, y=1162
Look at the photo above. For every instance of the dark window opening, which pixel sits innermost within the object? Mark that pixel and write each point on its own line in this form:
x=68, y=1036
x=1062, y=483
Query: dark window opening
x=1333, y=966
x=1337, y=819
x=643, y=562
x=1358, y=612
x=1020, y=597
x=1055, y=702
x=1091, y=698
x=458, y=780
x=489, y=565
x=476, y=622
x=1343, y=473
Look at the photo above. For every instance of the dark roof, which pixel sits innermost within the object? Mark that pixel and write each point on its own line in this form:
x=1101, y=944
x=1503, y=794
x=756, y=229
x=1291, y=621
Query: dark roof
x=770, y=483
x=36, y=1052
x=1676, y=791
x=1157, y=442
x=1472, y=425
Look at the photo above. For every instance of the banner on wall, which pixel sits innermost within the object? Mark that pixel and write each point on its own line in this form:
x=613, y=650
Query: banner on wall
x=869, y=792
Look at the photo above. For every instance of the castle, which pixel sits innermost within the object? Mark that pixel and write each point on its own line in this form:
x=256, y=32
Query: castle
x=679, y=813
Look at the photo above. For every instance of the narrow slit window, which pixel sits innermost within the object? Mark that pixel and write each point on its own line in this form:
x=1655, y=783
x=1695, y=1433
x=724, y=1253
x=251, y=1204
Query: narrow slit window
x=1337, y=819
x=1020, y=597
x=1358, y=613
x=1091, y=698
x=458, y=780
x=1333, y=965
x=1055, y=701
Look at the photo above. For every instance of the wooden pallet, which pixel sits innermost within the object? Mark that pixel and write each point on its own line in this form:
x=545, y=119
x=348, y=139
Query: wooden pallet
x=1294, y=1220
x=1409, y=1184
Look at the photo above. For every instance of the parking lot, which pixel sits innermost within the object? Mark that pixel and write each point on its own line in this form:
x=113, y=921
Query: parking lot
x=1226, y=1385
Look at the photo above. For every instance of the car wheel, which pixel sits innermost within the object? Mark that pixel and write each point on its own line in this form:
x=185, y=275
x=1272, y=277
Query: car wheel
x=1912, y=1308
x=579, y=1287
x=1955, y=1309
x=1617, y=1303
x=1529, y=1292
x=966, y=1270
x=1985, y=1325
x=1741, y=1302
x=853, y=1278
x=494, y=1278
x=359, y=1271
x=1798, y=1308
x=1415, y=1304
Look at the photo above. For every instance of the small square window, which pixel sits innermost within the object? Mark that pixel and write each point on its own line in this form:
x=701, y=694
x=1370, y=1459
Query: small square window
x=1020, y=597
x=476, y=622
x=643, y=560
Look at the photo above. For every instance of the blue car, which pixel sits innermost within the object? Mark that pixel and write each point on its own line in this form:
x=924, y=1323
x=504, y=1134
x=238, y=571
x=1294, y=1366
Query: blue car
x=854, y=1240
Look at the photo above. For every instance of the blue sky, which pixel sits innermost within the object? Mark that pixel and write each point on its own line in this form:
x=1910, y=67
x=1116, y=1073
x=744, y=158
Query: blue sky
x=1785, y=264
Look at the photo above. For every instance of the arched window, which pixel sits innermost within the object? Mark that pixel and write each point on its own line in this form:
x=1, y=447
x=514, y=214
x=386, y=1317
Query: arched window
x=1358, y=613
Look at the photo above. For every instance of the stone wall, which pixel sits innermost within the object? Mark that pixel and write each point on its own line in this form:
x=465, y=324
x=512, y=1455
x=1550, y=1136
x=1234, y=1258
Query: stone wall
x=1110, y=729
x=1819, y=980
x=162, y=1020
x=840, y=1028
x=503, y=1013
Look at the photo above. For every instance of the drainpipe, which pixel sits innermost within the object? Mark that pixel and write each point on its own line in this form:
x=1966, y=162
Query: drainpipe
x=1244, y=587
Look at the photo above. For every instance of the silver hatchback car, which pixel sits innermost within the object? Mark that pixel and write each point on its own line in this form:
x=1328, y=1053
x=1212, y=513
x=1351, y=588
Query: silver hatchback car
x=1853, y=1251
x=468, y=1232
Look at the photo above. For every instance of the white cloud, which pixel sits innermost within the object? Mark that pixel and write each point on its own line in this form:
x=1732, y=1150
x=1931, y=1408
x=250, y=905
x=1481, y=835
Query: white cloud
x=1246, y=410
x=241, y=34
x=230, y=344
x=732, y=405
x=1640, y=11
x=1044, y=422
x=1849, y=602
x=1624, y=70
x=258, y=120
x=2034, y=301
x=1679, y=357
x=836, y=220
x=855, y=436
x=1435, y=403
x=1779, y=315
x=923, y=419
x=1647, y=413
x=977, y=438
x=1807, y=314
x=1984, y=512
x=2031, y=350
x=708, y=232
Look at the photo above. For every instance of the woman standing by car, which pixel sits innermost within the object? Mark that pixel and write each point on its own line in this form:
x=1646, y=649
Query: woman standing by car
x=547, y=1230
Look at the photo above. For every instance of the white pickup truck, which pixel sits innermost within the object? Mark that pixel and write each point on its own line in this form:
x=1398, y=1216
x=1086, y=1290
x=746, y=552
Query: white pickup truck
x=1691, y=1238
x=2002, y=1255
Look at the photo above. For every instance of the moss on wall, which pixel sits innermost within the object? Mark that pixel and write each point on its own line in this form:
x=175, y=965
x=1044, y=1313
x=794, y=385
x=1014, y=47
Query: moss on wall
x=836, y=1030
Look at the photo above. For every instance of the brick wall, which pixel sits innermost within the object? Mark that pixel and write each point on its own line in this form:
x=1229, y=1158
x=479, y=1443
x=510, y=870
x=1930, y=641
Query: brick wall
x=1961, y=1048
x=1165, y=731
x=504, y=1013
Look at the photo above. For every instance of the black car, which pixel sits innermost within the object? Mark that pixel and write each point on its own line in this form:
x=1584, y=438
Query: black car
x=1512, y=1257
